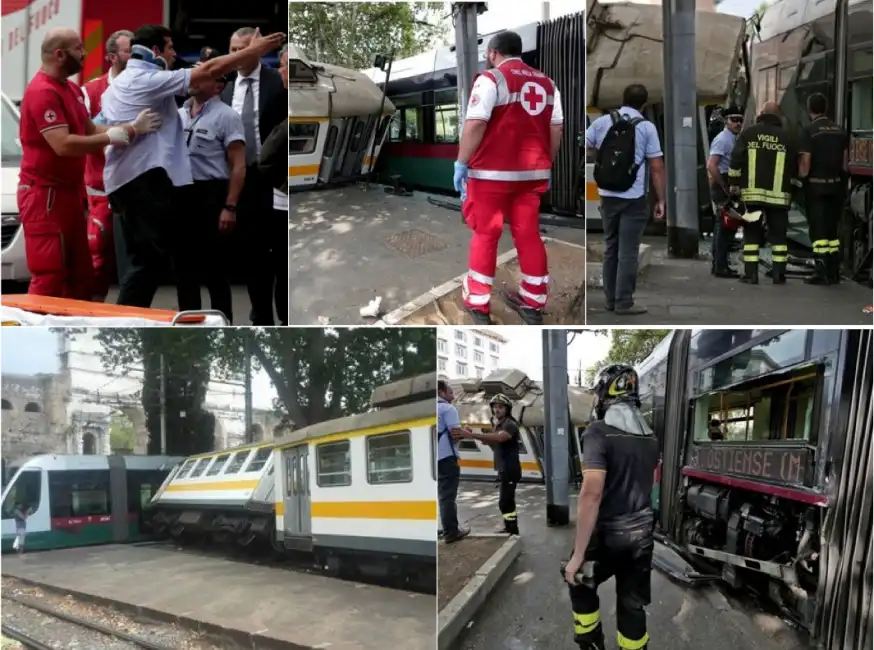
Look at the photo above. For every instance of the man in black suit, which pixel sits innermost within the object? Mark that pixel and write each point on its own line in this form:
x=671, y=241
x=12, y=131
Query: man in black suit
x=259, y=96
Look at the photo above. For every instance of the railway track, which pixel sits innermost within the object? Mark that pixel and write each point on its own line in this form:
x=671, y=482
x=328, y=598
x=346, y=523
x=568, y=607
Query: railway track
x=33, y=643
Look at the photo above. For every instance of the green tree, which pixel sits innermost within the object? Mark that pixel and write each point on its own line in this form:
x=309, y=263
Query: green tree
x=626, y=346
x=319, y=374
x=121, y=432
x=351, y=34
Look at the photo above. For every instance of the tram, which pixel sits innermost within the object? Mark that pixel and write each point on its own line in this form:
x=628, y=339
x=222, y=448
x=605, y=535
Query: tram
x=337, y=118
x=780, y=499
x=425, y=129
x=801, y=48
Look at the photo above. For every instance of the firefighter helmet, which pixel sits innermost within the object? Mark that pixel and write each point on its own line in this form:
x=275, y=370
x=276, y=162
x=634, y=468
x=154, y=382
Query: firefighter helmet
x=616, y=383
x=501, y=399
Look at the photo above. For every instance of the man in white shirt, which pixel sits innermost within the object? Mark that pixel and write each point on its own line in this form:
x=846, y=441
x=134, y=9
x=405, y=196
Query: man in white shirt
x=140, y=180
x=257, y=93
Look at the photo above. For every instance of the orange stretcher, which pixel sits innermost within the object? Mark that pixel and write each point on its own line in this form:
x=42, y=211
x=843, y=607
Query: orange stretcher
x=46, y=305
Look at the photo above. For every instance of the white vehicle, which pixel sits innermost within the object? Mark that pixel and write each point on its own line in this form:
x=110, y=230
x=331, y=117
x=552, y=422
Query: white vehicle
x=13, y=258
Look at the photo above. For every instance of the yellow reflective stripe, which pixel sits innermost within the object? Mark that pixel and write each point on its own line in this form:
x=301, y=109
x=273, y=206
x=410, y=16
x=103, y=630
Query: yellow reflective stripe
x=779, y=170
x=751, y=247
x=780, y=247
x=585, y=623
x=751, y=258
x=765, y=196
x=821, y=246
x=834, y=242
x=628, y=644
x=779, y=259
x=510, y=515
x=751, y=167
x=733, y=173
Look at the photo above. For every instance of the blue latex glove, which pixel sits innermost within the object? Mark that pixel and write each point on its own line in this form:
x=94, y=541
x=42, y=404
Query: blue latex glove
x=459, y=180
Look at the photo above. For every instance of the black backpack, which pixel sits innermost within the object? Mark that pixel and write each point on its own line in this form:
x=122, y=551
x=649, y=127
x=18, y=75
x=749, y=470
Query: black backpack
x=615, y=169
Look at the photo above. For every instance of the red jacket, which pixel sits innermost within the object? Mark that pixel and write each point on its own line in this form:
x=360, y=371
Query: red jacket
x=94, y=162
x=516, y=143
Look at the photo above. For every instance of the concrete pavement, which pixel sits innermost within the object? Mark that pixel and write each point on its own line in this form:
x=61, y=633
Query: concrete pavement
x=530, y=607
x=682, y=292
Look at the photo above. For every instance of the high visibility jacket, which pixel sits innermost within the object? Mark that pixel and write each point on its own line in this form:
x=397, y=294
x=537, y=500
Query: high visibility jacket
x=764, y=163
x=94, y=162
x=516, y=143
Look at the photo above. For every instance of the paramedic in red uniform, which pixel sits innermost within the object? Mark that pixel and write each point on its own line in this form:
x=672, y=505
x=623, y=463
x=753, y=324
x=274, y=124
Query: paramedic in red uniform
x=56, y=133
x=511, y=135
x=99, y=215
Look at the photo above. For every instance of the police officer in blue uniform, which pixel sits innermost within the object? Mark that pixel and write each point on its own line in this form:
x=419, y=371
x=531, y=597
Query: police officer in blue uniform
x=217, y=149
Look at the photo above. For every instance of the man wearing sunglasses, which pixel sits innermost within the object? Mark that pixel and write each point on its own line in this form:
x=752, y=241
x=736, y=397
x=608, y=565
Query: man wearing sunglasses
x=717, y=168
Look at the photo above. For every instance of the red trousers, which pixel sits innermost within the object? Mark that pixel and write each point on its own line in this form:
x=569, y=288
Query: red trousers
x=56, y=241
x=101, y=243
x=487, y=206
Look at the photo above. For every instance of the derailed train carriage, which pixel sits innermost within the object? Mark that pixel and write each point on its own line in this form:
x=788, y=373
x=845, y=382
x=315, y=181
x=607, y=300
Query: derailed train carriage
x=356, y=493
x=338, y=121
x=472, y=401
x=782, y=503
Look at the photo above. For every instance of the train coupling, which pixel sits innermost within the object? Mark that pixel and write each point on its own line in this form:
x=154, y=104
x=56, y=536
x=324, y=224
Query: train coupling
x=669, y=561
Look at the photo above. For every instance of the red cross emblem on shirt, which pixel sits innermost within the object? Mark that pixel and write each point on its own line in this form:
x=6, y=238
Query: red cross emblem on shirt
x=533, y=98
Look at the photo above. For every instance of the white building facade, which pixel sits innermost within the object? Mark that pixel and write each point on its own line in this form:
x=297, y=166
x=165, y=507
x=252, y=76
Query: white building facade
x=467, y=353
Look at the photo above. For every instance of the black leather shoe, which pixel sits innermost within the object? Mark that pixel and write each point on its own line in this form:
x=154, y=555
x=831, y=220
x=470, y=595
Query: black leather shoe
x=749, y=279
x=479, y=317
x=529, y=315
x=725, y=273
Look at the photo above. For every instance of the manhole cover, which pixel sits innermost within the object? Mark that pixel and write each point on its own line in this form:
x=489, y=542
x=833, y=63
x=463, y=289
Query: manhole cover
x=415, y=243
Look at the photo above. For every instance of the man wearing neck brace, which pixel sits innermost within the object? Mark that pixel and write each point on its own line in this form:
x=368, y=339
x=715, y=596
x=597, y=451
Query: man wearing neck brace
x=140, y=180
x=56, y=134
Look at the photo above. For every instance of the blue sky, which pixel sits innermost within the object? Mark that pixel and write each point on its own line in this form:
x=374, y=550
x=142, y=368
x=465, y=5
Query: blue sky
x=28, y=350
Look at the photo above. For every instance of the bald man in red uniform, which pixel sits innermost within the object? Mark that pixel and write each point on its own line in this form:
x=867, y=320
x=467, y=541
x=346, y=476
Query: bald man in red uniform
x=56, y=133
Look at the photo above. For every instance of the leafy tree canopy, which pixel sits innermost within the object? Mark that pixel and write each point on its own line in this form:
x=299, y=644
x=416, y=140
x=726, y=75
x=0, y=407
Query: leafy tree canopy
x=351, y=34
x=319, y=374
x=626, y=346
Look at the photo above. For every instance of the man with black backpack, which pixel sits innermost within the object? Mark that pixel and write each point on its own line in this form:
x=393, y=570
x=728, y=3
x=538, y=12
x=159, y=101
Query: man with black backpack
x=626, y=146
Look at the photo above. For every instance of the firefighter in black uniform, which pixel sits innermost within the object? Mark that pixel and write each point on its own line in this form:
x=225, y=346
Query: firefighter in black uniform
x=762, y=172
x=615, y=517
x=505, y=441
x=822, y=162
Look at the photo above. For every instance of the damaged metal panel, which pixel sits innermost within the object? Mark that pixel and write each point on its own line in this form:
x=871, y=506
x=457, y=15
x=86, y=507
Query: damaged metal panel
x=561, y=43
x=844, y=599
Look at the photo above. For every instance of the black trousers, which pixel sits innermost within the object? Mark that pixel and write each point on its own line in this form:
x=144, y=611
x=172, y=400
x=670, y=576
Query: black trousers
x=627, y=556
x=777, y=220
x=823, y=218
x=448, y=476
x=204, y=258
x=507, y=499
x=144, y=214
x=264, y=239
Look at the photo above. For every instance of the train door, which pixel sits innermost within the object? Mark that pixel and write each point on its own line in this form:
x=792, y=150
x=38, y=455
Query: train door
x=333, y=149
x=29, y=488
x=118, y=500
x=356, y=146
x=297, y=520
x=531, y=446
x=306, y=142
x=375, y=144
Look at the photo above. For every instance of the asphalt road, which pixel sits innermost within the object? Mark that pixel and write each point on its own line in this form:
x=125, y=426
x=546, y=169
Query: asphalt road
x=530, y=607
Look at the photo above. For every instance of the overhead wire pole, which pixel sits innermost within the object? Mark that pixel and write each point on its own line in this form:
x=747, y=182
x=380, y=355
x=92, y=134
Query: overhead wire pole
x=466, y=50
x=681, y=99
x=556, y=446
x=163, y=401
x=247, y=350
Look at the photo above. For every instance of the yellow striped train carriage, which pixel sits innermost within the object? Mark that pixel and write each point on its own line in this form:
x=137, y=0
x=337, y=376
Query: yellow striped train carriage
x=472, y=401
x=357, y=492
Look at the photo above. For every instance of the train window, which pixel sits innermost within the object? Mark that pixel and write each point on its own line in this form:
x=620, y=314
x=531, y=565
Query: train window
x=333, y=464
x=389, y=458
x=79, y=493
x=860, y=63
x=784, y=77
x=259, y=459
x=331, y=141
x=766, y=89
x=141, y=486
x=216, y=467
x=434, y=443
x=782, y=350
x=355, y=141
x=861, y=112
x=446, y=124
x=383, y=125
x=772, y=408
x=302, y=137
x=26, y=491
x=467, y=445
x=198, y=469
x=411, y=128
x=186, y=468
x=237, y=461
